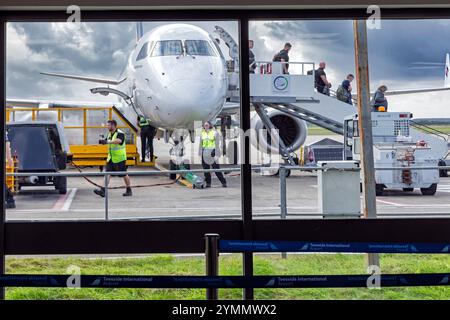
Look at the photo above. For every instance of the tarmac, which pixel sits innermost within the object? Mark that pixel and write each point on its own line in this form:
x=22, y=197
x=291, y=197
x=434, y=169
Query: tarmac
x=169, y=200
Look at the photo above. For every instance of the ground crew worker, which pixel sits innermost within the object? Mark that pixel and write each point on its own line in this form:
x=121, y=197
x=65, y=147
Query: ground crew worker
x=9, y=200
x=209, y=147
x=147, y=132
x=117, y=156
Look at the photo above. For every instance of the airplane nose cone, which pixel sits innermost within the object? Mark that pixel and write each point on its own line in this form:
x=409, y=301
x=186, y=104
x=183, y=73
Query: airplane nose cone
x=194, y=100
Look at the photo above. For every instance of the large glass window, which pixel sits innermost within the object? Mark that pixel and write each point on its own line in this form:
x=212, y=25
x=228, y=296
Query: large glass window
x=175, y=96
x=199, y=48
x=309, y=139
x=143, y=53
x=167, y=48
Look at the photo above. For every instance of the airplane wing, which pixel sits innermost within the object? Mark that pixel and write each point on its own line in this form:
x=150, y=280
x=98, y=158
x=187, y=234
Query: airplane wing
x=28, y=103
x=230, y=108
x=90, y=79
x=407, y=91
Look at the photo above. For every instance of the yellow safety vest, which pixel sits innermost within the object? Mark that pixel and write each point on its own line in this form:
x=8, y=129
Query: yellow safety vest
x=209, y=139
x=143, y=122
x=116, y=152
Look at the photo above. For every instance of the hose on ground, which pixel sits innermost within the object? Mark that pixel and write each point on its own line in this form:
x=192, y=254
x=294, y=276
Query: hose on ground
x=122, y=187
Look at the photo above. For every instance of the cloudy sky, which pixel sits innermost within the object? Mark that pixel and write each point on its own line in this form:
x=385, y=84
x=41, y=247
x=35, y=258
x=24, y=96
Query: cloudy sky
x=403, y=54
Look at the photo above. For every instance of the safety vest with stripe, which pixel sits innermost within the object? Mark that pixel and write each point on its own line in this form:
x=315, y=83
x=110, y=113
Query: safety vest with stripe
x=116, y=152
x=209, y=139
x=143, y=122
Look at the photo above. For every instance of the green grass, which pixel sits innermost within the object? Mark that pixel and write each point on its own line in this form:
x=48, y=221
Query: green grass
x=443, y=129
x=231, y=265
x=318, y=131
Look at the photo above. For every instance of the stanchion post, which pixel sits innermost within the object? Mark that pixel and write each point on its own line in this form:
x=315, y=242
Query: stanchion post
x=212, y=262
x=283, y=198
x=105, y=185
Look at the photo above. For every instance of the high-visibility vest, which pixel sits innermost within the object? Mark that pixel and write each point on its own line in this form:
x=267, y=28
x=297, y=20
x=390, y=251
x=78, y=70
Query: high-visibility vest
x=116, y=152
x=143, y=122
x=209, y=139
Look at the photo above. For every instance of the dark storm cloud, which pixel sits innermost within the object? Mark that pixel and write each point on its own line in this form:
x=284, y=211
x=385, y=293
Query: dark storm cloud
x=66, y=46
x=95, y=49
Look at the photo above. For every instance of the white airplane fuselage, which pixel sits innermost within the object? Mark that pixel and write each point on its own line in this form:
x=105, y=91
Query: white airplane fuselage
x=181, y=77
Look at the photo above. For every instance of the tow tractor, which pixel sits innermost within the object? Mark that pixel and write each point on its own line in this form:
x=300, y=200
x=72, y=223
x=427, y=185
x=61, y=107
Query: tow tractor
x=393, y=146
x=40, y=146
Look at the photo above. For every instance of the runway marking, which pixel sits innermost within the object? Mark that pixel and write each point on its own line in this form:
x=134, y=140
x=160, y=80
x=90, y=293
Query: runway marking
x=391, y=203
x=198, y=209
x=65, y=200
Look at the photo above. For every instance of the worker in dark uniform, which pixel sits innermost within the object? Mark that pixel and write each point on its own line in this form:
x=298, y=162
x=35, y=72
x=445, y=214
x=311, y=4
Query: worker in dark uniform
x=251, y=56
x=147, y=132
x=9, y=197
x=209, y=147
x=117, y=156
x=321, y=81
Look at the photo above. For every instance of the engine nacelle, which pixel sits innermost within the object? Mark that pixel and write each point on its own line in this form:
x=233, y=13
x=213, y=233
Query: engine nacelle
x=292, y=131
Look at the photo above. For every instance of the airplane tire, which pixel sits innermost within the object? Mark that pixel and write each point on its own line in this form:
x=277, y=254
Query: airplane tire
x=61, y=184
x=379, y=189
x=430, y=191
x=172, y=166
x=287, y=172
x=442, y=173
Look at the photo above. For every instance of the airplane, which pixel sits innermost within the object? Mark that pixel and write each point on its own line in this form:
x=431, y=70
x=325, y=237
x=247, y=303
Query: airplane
x=177, y=75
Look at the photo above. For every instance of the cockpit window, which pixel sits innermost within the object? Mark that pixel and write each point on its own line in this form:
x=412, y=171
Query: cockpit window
x=199, y=48
x=167, y=48
x=143, y=53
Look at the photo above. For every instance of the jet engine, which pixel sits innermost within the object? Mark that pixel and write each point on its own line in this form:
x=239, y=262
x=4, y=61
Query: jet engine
x=292, y=131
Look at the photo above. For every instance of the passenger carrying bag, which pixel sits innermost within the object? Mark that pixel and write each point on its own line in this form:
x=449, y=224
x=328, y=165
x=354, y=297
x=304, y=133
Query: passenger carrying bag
x=341, y=94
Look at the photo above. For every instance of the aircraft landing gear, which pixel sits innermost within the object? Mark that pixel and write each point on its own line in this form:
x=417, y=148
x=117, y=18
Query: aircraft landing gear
x=176, y=152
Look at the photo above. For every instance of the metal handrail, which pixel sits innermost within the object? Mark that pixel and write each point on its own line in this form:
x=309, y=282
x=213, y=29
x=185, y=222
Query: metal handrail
x=164, y=172
x=257, y=63
x=282, y=176
x=232, y=169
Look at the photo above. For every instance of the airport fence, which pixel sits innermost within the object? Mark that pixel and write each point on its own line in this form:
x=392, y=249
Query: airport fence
x=283, y=174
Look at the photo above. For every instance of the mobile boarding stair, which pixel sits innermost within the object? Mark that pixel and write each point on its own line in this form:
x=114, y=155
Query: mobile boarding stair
x=294, y=94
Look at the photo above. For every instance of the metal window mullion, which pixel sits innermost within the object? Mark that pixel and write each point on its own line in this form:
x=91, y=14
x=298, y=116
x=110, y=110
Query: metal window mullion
x=2, y=137
x=246, y=172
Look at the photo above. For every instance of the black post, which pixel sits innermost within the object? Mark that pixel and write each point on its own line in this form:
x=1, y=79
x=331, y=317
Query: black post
x=212, y=262
x=2, y=149
x=246, y=166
